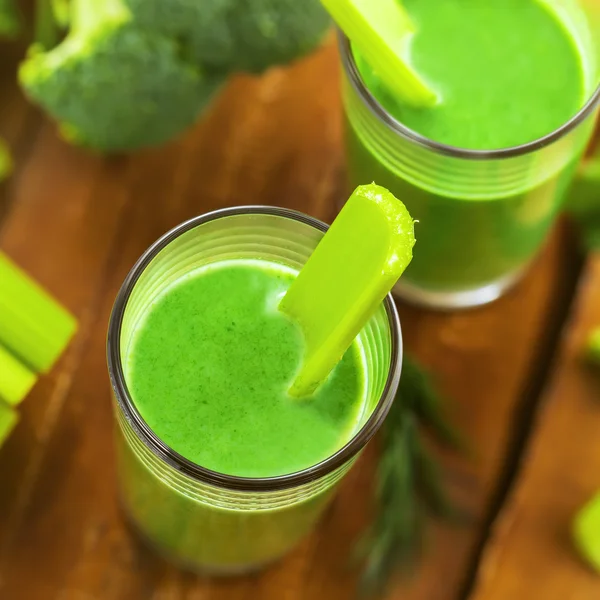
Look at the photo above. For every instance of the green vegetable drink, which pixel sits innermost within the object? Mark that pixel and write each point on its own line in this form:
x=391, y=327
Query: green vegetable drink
x=483, y=171
x=218, y=334
x=219, y=467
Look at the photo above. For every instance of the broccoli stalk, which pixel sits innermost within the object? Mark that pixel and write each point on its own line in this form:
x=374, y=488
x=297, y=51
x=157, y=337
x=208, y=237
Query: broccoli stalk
x=46, y=32
x=112, y=85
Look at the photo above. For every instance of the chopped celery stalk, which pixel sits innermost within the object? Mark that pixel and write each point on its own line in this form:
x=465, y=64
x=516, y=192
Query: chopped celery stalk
x=346, y=278
x=8, y=420
x=593, y=347
x=586, y=532
x=5, y=161
x=33, y=326
x=381, y=31
x=16, y=380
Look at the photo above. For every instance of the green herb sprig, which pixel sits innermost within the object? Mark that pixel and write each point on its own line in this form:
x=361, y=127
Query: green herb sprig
x=409, y=484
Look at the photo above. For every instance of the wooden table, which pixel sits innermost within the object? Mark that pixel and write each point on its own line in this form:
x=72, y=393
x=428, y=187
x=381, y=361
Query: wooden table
x=78, y=222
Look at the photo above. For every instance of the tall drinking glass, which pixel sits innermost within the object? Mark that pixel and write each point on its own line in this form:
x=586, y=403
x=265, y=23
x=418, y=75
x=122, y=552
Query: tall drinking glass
x=204, y=520
x=483, y=215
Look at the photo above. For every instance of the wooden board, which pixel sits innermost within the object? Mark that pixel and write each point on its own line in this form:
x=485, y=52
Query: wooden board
x=79, y=222
x=531, y=555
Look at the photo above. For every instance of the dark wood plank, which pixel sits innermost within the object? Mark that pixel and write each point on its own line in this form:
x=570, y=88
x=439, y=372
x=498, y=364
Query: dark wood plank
x=272, y=140
x=530, y=554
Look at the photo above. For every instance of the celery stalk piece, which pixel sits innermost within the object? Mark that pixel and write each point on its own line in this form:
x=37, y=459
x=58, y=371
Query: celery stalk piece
x=16, y=380
x=33, y=326
x=381, y=30
x=586, y=532
x=355, y=265
x=8, y=420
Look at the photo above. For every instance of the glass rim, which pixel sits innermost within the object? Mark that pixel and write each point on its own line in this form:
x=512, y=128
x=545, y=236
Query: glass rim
x=379, y=111
x=166, y=454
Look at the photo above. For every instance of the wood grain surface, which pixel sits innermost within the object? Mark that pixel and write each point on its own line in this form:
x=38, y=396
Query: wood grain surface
x=530, y=554
x=78, y=222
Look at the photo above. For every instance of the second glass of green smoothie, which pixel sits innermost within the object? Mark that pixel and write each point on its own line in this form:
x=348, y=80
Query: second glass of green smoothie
x=228, y=491
x=484, y=173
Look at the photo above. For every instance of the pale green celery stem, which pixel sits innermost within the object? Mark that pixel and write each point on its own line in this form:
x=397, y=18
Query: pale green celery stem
x=8, y=420
x=16, y=380
x=33, y=326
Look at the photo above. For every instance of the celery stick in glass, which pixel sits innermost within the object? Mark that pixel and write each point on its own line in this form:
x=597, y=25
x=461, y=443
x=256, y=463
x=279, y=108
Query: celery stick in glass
x=356, y=264
x=381, y=30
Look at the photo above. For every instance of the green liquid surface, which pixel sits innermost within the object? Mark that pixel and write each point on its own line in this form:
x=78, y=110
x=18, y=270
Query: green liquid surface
x=209, y=368
x=508, y=72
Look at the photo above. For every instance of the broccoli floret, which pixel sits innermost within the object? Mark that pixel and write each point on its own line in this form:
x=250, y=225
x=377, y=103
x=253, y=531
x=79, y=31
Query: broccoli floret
x=113, y=85
x=238, y=35
x=10, y=21
x=200, y=25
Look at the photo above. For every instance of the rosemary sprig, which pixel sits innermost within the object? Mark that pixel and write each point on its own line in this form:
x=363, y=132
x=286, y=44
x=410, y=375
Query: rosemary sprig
x=409, y=482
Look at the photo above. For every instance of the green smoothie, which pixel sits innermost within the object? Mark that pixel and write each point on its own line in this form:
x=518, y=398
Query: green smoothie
x=208, y=361
x=508, y=72
x=210, y=365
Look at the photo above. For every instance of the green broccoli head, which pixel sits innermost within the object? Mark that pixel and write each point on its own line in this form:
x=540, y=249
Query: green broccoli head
x=113, y=86
x=200, y=26
x=10, y=22
x=238, y=35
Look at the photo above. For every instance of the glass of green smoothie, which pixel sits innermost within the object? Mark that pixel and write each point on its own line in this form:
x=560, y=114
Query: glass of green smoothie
x=483, y=171
x=213, y=471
